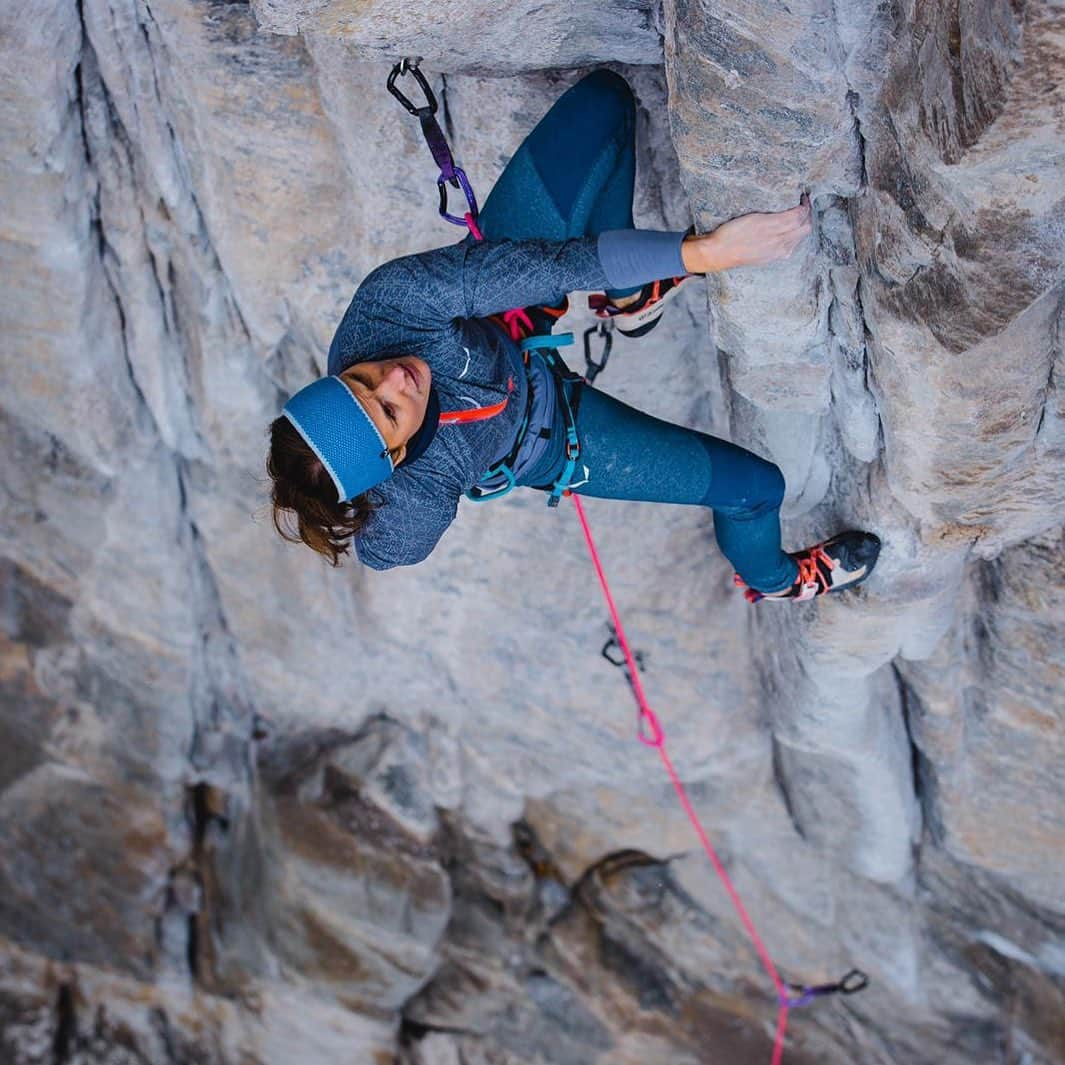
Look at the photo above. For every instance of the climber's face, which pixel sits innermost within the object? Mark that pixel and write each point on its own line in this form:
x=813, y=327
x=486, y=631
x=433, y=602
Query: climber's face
x=394, y=393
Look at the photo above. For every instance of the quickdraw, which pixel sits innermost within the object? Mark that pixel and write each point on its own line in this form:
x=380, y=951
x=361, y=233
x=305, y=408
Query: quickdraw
x=450, y=174
x=850, y=984
x=621, y=663
x=649, y=728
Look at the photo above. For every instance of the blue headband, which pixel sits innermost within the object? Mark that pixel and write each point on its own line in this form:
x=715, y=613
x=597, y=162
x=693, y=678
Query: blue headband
x=340, y=432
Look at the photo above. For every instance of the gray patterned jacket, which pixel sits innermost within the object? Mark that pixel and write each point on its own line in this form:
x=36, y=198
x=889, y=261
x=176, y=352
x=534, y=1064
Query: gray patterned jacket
x=434, y=305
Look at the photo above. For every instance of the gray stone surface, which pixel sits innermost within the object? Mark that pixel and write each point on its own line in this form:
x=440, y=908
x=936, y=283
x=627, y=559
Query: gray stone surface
x=471, y=37
x=255, y=809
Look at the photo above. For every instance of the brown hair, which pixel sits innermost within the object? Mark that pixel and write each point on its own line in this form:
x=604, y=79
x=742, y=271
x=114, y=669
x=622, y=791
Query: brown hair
x=302, y=485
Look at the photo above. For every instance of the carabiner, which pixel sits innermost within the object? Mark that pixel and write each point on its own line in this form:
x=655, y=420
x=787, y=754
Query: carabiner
x=410, y=66
x=854, y=981
x=621, y=663
x=605, y=329
x=459, y=181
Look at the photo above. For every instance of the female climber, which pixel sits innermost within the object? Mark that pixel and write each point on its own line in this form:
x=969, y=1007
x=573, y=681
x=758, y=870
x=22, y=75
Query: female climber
x=437, y=387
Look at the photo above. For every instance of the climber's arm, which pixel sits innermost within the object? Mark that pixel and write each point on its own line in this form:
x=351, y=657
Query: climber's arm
x=425, y=292
x=420, y=294
x=750, y=240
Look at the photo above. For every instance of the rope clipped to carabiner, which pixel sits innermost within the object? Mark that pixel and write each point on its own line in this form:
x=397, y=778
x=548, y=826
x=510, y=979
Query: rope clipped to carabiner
x=614, y=643
x=450, y=174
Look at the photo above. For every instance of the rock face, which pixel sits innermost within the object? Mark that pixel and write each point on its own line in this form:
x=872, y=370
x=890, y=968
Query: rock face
x=254, y=809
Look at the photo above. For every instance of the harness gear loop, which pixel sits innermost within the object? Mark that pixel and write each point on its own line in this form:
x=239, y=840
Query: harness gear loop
x=480, y=494
x=547, y=341
x=604, y=329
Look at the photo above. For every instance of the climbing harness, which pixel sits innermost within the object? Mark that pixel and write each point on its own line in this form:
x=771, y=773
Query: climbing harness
x=500, y=480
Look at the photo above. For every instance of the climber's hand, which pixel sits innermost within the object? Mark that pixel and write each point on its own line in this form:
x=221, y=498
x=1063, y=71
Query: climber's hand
x=750, y=240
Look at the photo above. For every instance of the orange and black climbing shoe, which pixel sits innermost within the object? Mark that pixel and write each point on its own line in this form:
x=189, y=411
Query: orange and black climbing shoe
x=832, y=566
x=641, y=316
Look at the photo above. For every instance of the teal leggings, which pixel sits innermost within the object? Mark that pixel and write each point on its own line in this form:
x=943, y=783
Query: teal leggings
x=573, y=176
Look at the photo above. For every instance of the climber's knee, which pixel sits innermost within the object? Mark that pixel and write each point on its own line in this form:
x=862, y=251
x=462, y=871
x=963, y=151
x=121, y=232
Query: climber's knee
x=614, y=97
x=767, y=485
x=611, y=81
x=742, y=484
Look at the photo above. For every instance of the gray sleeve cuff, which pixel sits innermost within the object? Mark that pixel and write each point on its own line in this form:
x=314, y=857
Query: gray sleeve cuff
x=633, y=257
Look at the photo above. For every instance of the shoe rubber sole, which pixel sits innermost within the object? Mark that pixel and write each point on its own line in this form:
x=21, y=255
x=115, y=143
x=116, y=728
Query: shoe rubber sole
x=850, y=550
x=641, y=322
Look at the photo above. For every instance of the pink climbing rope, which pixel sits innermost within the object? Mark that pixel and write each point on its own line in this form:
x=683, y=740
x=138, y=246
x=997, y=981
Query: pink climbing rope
x=471, y=225
x=657, y=739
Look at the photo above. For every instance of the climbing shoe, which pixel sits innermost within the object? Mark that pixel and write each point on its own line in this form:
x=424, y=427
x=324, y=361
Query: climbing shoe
x=641, y=316
x=832, y=566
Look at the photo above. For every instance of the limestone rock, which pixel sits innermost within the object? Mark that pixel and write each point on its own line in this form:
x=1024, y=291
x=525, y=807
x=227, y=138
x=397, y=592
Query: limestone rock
x=470, y=38
x=252, y=808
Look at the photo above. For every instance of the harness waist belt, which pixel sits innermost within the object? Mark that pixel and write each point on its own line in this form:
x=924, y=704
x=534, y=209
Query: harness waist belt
x=500, y=479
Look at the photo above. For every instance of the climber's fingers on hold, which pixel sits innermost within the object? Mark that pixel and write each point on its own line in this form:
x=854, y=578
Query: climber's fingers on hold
x=783, y=230
x=797, y=236
x=797, y=219
x=796, y=228
x=796, y=216
x=756, y=239
x=782, y=243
